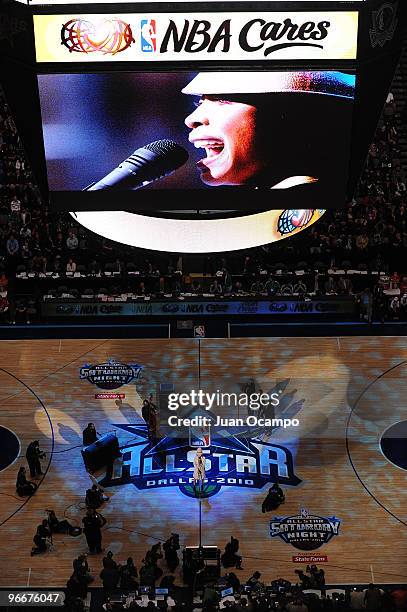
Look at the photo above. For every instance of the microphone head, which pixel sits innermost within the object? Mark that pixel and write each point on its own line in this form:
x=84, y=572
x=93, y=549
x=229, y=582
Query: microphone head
x=167, y=146
x=158, y=158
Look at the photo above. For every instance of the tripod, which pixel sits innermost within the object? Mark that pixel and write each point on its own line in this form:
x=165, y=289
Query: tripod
x=50, y=539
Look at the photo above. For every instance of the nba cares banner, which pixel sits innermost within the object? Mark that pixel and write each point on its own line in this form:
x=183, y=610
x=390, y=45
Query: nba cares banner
x=132, y=37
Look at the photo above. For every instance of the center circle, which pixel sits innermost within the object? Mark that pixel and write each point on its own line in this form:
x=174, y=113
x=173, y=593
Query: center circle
x=393, y=444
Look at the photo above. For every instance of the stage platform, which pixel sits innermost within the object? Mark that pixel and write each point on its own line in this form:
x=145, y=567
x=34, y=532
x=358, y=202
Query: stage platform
x=343, y=468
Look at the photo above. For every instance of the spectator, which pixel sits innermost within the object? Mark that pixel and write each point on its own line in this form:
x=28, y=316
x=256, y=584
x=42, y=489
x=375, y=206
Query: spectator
x=344, y=285
x=128, y=575
x=300, y=288
x=296, y=606
x=72, y=242
x=25, y=232
x=4, y=306
x=373, y=597
x=399, y=597
x=366, y=305
x=272, y=286
x=394, y=308
x=108, y=561
x=3, y=281
x=110, y=577
x=254, y=582
x=12, y=246
x=330, y=285
x=357, y=599
x=15, y=208
x=394, y=280
x=216, y=287
x=93, y=267
x=71, y=265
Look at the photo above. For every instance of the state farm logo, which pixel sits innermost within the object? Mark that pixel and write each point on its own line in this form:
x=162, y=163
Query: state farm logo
x=200, y=35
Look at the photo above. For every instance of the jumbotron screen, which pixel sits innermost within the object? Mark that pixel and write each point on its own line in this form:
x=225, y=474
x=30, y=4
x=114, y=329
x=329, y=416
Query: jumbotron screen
x=223, y=110
x=202, y=131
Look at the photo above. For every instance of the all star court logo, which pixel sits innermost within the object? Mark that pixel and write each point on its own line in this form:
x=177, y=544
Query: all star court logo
x=230, y=462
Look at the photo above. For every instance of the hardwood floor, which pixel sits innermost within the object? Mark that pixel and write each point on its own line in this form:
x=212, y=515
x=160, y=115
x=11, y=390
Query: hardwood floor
x=345, y=393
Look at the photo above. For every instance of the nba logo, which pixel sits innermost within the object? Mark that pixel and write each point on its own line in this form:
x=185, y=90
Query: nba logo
x=148, y=35
x=199, y=436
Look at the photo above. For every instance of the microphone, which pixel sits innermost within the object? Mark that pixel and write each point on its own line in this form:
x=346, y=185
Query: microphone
x=147, y=164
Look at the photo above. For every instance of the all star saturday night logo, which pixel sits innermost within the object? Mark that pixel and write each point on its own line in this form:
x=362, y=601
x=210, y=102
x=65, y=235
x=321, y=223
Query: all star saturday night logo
x=230, y=462
x=111, y=374
x=305, y=531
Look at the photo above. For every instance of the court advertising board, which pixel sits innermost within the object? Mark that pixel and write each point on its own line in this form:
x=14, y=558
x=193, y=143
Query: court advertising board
x=339, y=305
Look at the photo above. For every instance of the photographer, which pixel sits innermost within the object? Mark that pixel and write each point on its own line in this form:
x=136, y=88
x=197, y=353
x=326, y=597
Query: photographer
x=110, y=577
x=33, y=456
x=274, y=498
x=280, y=585
x=312, y=578
x=230, y=558
x=128, y=575
x=304, y=578
x=317, y=577
x=23, y=486
x=254, y=582
x=108, y=561
x=170, y=548
x=81, y=569
x=233, y=581
x=40, y=538
x=94, y=497
x=92, y=524
x=64, y=526
x=77, y=585
x=75, y=588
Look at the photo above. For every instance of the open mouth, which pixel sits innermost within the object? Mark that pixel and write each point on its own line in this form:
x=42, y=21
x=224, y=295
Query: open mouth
x=213, y=148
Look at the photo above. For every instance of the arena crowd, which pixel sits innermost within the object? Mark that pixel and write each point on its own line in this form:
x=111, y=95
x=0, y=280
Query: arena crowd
x=359, y=250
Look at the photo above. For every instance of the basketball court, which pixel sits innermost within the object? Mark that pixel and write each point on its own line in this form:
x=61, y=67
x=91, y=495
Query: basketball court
x=343, y=467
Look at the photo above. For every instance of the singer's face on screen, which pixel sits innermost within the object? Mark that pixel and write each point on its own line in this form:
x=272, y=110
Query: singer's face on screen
x=226, y=130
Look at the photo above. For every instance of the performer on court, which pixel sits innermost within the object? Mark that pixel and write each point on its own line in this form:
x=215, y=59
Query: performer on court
x=199, y=468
